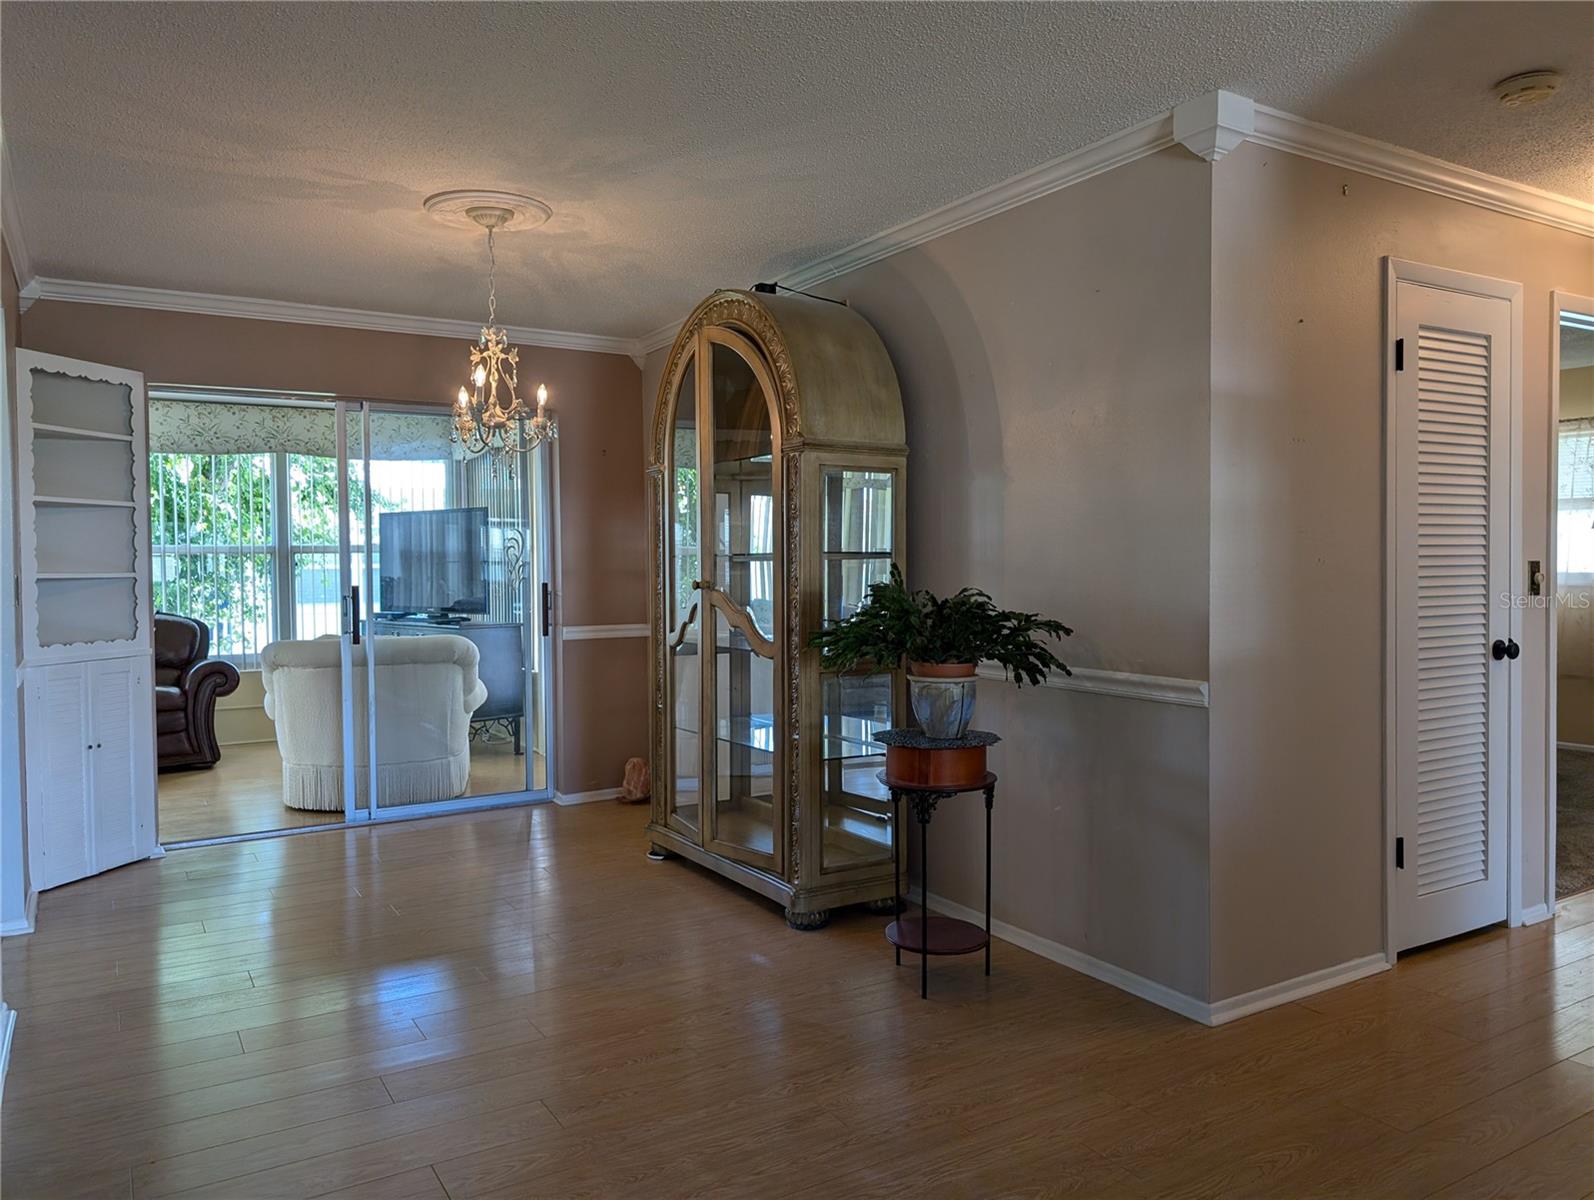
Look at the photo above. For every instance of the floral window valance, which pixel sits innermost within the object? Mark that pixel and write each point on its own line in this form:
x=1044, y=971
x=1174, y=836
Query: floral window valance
x=211, y=427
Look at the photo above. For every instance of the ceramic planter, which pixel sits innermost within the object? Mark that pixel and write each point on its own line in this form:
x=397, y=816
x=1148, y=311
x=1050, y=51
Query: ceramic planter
x=942, y=695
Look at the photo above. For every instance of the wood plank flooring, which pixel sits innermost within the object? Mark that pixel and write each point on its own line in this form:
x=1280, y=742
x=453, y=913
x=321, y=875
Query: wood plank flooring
x=243, y=792
x=518, y=1004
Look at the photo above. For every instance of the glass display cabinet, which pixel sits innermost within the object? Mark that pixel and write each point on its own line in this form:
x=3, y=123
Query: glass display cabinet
x=775, y=487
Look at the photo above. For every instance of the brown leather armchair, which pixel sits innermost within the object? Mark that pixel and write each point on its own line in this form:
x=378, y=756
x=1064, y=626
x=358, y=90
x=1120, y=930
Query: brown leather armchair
x=187, y=684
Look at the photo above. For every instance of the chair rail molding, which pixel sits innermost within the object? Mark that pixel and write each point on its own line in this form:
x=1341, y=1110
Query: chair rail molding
x=1162, y=689
x=593, y=633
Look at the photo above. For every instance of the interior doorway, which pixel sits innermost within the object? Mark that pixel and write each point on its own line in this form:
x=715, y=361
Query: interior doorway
x=1571, y=700
x=1453, y=638
x=349, y=615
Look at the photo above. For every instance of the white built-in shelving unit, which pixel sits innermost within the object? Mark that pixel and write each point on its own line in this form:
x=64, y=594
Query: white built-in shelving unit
x=84, y=599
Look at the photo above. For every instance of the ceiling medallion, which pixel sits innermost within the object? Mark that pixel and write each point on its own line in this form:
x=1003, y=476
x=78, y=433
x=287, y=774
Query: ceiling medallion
x=489, y=415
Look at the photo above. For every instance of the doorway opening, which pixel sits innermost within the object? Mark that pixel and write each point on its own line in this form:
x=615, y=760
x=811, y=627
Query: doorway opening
x=349, y=615
x=1571, y=679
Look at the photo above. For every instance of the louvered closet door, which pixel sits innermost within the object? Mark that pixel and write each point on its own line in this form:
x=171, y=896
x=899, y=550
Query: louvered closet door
x=1451, y=519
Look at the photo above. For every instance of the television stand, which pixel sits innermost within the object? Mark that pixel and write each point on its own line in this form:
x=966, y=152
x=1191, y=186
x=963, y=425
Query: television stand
x=502, y=665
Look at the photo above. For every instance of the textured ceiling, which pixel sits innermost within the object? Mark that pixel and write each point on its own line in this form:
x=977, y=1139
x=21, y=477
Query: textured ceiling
x=282, y=151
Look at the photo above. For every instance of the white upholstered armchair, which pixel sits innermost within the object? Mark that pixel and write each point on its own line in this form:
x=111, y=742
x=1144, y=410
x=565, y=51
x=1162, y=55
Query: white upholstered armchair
x=427, y=689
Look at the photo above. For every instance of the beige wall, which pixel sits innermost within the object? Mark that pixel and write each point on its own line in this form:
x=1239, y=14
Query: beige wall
x=600, y=535
x=241, y=717
x=1297, y=541
x=1053, y=363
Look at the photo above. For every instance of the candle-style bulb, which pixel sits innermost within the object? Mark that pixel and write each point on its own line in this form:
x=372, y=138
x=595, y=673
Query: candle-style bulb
x=481, y=375
x=542, y=394
x=464, y=400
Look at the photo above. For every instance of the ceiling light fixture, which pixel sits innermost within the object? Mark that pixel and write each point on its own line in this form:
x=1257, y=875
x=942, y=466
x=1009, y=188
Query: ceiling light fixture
x=489, y=415
x=1527, y=88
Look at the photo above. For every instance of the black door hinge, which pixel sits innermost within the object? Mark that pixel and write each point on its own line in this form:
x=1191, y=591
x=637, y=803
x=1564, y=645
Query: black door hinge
x=1400, y=854
x=1400, y=354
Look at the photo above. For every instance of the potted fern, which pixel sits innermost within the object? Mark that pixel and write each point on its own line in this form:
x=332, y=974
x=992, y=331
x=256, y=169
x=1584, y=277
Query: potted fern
x=940, y=641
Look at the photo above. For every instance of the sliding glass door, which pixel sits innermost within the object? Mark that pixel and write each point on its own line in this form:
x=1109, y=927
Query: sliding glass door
x=448, y=643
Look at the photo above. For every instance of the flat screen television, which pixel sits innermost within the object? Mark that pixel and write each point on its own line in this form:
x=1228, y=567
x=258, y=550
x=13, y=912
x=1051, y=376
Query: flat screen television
x=433, y=561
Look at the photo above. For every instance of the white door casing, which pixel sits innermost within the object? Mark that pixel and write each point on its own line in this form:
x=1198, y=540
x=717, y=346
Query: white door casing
x=1451, y=738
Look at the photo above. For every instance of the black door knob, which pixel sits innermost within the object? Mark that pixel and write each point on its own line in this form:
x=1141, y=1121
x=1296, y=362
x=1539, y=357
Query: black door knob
x=1498, y=650
x=1512, y=650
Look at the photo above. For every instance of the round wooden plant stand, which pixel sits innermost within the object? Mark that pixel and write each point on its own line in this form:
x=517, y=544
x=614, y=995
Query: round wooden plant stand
x=923, y=771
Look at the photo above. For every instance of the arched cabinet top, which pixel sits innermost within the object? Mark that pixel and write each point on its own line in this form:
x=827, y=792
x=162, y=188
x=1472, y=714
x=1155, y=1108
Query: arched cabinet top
x=835, y=380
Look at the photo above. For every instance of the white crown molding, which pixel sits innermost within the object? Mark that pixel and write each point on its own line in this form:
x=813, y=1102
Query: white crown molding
x=1213, y=125
x=1075, y=167
x=1284, y=131
x=11, y=216
x=1114, y=151
x=1160, y=689
x=125, y=296
x=659, y=338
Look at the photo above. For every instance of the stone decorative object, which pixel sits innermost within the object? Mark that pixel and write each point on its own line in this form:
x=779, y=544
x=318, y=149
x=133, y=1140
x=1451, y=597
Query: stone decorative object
x=635, y=788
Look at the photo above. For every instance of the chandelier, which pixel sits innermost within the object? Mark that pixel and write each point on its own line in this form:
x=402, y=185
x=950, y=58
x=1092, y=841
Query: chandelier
x=489, y=414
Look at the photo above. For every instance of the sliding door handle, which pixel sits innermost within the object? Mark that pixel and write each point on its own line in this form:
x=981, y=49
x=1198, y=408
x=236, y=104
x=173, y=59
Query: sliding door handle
x=354, y=614
x=547, y=610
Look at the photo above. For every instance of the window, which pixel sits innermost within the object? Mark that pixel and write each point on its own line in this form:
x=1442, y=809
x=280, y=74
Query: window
x=1574, y=530
x=213, y=546
x=248, y=543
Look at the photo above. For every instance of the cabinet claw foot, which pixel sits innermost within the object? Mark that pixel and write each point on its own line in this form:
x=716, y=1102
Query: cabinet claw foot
x=808, y=921
x=885, y=904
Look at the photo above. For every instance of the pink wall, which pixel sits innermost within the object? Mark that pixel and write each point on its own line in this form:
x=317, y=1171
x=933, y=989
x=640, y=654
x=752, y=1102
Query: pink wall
x=600, y=535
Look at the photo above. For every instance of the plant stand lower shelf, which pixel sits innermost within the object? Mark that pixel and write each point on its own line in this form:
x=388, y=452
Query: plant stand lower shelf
x=929, y=934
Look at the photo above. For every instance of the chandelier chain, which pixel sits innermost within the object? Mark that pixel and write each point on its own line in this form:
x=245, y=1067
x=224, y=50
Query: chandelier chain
x=492, y=280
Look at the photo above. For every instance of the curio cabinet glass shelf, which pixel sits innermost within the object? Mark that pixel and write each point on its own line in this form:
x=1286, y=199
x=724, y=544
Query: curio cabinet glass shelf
x=775, y=485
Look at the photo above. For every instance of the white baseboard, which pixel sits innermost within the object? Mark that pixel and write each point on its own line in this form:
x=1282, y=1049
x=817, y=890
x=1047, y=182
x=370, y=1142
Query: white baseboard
x=1577, y=746
x=1235, y=1007
x=8, y=1025
x=24, y=923
x=1077, y=960
x=1219, y=1013
x=588, y=797
x=1539, y=912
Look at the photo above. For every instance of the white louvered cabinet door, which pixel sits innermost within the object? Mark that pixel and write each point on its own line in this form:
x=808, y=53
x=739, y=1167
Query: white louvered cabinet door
x=1451, y=511
x=121, y=719
x=91, y=767
x=59, y=784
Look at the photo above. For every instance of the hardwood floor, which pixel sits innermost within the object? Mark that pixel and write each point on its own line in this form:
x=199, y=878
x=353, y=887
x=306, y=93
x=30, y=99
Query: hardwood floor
x=243, y=792
x=518, y=1004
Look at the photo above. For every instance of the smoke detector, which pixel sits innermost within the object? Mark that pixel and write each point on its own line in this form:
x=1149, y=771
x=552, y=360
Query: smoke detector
x=470, y=208
x=1527, y=88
